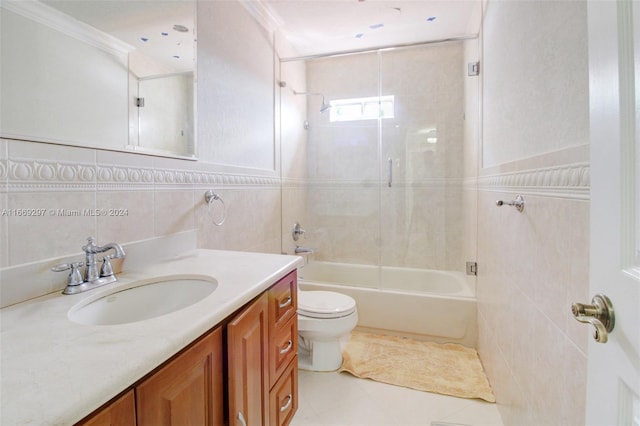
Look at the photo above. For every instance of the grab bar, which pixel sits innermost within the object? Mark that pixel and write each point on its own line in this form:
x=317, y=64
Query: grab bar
x=390, y=181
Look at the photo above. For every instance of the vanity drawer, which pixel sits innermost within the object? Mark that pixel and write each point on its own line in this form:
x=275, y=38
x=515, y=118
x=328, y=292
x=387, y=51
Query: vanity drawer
x=283, y=346
x=283, y=398
x=283, y=300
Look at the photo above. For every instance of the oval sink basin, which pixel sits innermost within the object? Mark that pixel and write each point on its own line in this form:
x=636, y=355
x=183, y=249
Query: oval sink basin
x=142, y=300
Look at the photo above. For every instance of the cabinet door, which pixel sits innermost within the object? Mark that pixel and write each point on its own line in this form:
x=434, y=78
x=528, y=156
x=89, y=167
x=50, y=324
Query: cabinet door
x=247, y=341
x=188, y=390
x=121, y=412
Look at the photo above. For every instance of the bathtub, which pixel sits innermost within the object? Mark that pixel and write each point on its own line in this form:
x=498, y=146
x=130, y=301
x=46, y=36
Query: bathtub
x=420, y=303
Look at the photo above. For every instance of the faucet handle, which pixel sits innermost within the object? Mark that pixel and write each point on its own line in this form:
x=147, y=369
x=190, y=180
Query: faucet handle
x=106, y=270
x=75, y=277
x=297, y=231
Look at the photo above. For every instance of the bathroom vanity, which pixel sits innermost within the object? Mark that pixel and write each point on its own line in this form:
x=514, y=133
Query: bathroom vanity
x=230, y=358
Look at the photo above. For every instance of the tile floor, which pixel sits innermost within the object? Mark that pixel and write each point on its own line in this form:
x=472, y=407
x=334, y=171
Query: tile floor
x=341, y=399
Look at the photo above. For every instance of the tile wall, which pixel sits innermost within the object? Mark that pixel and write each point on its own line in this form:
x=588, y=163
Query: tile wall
x=532, y=348
x=293, y=114
x=533, y=265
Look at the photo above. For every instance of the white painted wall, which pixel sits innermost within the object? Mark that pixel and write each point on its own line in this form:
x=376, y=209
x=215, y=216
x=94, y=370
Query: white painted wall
x=534, y=71
x=235, y=78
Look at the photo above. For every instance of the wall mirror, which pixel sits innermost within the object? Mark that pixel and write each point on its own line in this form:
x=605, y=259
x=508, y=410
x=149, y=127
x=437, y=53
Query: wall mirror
x=109, y=74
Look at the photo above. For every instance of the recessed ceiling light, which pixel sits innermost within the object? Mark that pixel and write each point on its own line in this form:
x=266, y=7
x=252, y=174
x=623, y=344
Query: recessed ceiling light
x=180, y=28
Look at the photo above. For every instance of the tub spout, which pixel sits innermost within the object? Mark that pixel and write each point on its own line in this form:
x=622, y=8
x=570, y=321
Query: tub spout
x=300, y=250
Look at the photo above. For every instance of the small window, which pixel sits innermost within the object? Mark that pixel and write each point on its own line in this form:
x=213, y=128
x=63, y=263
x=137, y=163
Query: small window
x=362, y=108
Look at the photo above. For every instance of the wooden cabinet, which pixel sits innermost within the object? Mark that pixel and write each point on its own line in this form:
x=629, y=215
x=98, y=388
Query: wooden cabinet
x=186, y=391
x=121, y=412
x=248, y=368
x=263, y=364
x=261, y=371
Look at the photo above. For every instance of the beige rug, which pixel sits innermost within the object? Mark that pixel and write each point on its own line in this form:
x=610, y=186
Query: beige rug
x=448, y=369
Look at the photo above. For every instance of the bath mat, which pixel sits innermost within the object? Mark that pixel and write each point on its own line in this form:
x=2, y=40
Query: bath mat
x=449, y=369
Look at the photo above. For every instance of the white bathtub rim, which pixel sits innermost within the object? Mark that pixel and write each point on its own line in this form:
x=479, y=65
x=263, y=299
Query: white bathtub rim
x=467, y=286
x=338, y=286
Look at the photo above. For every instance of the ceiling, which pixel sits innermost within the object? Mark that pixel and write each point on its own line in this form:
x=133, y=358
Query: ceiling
x=316, y=27
x=146, y=25
x=312, y=27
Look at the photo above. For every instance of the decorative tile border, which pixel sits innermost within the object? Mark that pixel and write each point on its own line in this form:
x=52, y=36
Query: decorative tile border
x=4, y=172
x=567, y=181
x=3, y=169
x=47, y=175
x=37, y=175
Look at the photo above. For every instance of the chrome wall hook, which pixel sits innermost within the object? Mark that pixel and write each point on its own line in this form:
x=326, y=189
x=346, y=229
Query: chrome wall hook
x=518, y=203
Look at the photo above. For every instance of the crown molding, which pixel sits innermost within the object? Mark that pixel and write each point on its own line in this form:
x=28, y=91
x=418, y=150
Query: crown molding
x=56, y=20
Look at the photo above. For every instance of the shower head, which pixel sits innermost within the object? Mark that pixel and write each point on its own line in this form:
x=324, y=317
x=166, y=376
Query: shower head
x=325, y=106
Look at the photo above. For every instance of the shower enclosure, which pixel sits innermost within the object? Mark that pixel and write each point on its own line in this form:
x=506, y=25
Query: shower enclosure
x=382, y=186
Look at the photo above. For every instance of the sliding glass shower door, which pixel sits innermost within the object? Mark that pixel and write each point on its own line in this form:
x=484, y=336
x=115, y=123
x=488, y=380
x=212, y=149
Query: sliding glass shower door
x=422, y=163
x=383, y=188
x=343, y=160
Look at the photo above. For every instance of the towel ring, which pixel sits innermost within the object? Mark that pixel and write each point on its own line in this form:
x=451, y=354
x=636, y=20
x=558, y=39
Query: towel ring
x=209, y=198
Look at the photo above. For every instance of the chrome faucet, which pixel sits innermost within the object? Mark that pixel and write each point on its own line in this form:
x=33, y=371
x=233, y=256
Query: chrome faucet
x=299, y=250
x=93, y=276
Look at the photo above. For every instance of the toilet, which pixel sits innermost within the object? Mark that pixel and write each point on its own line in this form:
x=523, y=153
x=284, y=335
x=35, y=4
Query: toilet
x=325, y=322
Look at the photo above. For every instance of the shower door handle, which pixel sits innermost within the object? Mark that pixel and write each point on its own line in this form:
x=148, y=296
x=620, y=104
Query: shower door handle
x=390, y=162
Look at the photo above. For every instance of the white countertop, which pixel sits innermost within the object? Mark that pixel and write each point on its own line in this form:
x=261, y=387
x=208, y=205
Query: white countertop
x=54, y=371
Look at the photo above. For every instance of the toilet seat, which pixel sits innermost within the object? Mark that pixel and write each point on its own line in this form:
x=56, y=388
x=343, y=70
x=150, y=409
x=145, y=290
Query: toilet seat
x=325, y=304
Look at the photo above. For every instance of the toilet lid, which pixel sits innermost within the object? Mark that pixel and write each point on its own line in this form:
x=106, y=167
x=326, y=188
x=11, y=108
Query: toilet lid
x=325, y=304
